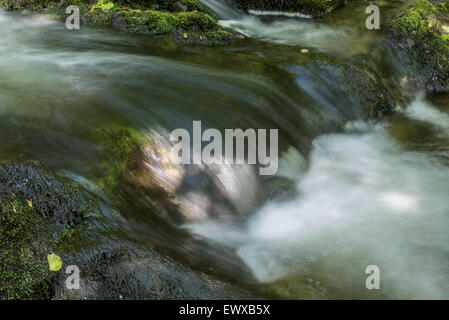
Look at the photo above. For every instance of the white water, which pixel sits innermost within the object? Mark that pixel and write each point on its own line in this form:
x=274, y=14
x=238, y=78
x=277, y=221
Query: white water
x=342, y=40
x=420, y=110
x=364, y=200
x=295, y=32
x=279, y=14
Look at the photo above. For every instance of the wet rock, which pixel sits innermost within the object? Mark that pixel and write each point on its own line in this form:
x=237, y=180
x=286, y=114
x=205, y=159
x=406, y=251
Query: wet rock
x=52, y=197
x=141, y=166
x=358, y=91
x=277, y=189
x=179, y=7
x=43, y=213
x=37, y=210
x=418, y=28
x=128, y=272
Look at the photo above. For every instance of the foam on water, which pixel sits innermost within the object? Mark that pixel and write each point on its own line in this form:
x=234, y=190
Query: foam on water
x=280, y=13
x=340, y=40
x=363, y=200
x=424, y=111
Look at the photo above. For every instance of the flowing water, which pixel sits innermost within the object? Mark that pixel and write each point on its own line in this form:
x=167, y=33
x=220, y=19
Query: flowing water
x=359, y=193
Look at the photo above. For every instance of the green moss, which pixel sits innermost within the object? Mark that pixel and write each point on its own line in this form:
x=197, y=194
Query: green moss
x=103, y=5
x=195, y=26
x=23, y=4
x=23, y=270
x=123, y=145
x=191, y=5
x=157, y=22
x=165, y=5
x=418, y=29
x=141, y=16
x=38, y=211
x=416, y=19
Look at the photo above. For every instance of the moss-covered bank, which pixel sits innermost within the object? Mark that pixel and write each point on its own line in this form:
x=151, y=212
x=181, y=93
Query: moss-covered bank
x=186, y=20
x=421, y=29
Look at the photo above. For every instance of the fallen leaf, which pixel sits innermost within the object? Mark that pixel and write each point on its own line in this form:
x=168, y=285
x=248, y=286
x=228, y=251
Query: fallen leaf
x=54, y=262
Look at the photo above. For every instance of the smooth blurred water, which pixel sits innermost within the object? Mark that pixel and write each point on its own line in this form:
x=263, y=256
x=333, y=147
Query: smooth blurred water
x=343, y=33
x=374, y=194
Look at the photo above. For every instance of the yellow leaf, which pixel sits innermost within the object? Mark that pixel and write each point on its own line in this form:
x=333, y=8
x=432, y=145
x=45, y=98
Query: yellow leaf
x=54, y=262
x=186, y=35
x=30, y=203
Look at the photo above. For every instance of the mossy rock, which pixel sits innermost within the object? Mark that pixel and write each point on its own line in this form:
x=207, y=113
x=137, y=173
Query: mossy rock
x=53, y=197
x=24, y=240
x=122, y=145
x=158, y=22
x=37, y=210
x=419, y=27
x=33, y=5
x=316, y=8
x=195, y=25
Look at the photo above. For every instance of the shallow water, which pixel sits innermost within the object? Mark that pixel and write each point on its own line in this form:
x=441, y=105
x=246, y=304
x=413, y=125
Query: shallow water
x=373, y=194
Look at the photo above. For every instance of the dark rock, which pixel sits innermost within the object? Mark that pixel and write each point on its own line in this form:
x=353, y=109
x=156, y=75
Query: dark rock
x=37, y=210
x=178, y=7
x=53, y=197
x=128, y=272
x=417, y=29
x=316, y=8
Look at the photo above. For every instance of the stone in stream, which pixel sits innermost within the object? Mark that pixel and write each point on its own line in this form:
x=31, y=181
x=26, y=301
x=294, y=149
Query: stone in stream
x=125, y=271
x=420, y=29
x=179, y=193
x=148, y=17
x=38, y=209
x=42, y=213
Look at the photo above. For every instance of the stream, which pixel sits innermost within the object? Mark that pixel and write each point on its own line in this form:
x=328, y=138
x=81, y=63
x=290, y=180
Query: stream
x=360, y=191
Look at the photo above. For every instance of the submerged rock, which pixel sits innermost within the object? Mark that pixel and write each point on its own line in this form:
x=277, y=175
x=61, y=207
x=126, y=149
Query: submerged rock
x=140, y=165
x=342, y=91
